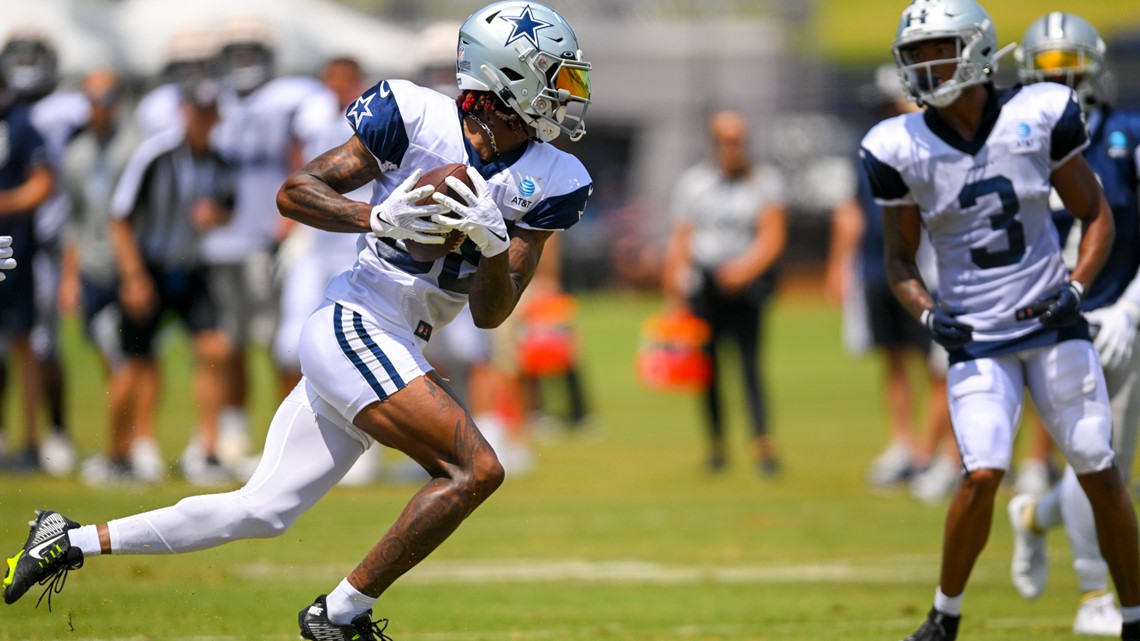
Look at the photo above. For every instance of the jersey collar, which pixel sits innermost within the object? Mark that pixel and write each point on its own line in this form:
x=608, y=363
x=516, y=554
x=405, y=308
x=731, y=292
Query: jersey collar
x=488, y=168
x=990, y=113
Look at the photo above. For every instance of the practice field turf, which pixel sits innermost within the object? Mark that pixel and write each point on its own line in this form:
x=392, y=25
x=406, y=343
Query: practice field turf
x=616, y=535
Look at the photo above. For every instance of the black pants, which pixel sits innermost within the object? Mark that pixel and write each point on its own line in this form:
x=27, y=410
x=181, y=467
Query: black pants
x=737, y=318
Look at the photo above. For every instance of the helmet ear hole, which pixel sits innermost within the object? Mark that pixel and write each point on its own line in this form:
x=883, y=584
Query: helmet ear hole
x=511, y=74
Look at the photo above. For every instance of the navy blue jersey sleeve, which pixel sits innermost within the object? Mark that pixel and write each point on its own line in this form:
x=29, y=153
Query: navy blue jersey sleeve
x=376, y=119
x=1069, y=133
x=28, y=148
x=559, y=212
x=886, y=182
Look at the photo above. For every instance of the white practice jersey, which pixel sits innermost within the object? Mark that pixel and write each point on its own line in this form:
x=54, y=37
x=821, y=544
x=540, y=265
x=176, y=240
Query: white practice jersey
x=159, y=109
x=58, y=117
x=255, y=134
x=985, y=204
x=406, y=126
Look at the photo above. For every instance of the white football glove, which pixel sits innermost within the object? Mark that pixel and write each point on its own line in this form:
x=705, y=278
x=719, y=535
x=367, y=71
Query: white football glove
x=400, y=217
x=6, y=260
x=480, y=218
x=1117, y=332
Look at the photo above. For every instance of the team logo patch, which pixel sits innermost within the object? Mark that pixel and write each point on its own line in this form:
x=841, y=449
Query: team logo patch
x=528, y=193
x=360, y=109
x=1117, y=145
x=423, y=331
x=1025, y=142
x=1023, y=130
x=525, y=26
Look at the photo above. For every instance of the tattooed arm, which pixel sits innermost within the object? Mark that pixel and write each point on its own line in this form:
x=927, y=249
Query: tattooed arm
x=500, y=280
x=312, y=194
x=902, y=232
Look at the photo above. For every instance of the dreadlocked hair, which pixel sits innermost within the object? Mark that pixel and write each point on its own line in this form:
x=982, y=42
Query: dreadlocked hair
x=483, y=104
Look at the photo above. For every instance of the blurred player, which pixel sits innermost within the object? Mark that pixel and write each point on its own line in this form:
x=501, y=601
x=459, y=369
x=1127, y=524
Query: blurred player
x=1006, y=309
x=25, y=183
x=523, y=83
x=256, y=135
x=1065, y=48
x=191, y=55
x=30, y=63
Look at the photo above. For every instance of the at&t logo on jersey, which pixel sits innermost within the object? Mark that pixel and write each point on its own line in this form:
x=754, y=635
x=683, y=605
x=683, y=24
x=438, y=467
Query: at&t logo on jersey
x=528, y=193
x=1025, y=142
x=1117, y=145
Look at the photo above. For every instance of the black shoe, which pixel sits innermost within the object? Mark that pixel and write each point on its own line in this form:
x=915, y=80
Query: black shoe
x=46, y=558
x=315, y=625
x=936, y=627
x=1130, y=631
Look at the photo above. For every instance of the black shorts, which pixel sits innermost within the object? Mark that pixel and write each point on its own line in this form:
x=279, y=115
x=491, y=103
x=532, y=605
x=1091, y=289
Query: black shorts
x=17, y=290
x=94, y=298
x=892, y=327
x=184, y=292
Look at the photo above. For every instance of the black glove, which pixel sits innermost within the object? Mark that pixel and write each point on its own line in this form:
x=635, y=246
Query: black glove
x=946, y=330
x=1066, y=309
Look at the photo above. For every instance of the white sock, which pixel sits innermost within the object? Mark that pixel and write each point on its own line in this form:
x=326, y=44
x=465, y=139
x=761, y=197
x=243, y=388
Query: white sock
x=86, y=538
x=1047, y=513
x=1130, y=614
x=947, y=604
x=346, y=603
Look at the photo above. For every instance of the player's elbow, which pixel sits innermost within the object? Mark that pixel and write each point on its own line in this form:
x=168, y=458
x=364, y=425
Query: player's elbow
x=487, y=320
x=286, y=195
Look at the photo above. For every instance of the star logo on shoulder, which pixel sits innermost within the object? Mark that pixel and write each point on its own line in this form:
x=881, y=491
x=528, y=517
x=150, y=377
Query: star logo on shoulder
x=525, y=25
x=360, y=110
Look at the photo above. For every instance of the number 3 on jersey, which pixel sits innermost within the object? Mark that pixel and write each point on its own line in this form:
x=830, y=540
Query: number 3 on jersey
x=1006, y=221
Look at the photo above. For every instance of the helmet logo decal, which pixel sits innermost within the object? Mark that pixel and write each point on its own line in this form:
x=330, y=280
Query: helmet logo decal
x=525, y=25
x=360, y=109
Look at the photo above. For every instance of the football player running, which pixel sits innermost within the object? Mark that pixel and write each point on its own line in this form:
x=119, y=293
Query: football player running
x=523, y=83
x=1065, y=48
x=975, y=168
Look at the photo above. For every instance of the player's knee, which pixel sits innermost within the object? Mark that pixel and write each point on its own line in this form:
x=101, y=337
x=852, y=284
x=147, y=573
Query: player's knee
x=212, y=347
x=983, y=483
x=487, y=472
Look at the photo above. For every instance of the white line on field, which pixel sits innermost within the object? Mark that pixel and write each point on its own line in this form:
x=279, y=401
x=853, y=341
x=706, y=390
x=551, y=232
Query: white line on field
x=882, y=571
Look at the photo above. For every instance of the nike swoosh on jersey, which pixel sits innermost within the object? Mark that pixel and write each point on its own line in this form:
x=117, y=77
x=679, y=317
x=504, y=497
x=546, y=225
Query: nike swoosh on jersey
x=384, y=90
x=496, y=234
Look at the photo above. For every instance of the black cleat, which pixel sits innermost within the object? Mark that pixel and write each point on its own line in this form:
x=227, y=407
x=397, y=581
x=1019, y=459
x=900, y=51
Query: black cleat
x=315, y=625
x=46, y=558
x=936, y=627
x=1130, y=631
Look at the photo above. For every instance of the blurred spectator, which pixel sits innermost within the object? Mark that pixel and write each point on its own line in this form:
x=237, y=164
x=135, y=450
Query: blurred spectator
x=91, y=166
x=30, y=62
x=874, y=320
x=25, y=182
x=255, y=135
x=172, y=190
x=730, y=228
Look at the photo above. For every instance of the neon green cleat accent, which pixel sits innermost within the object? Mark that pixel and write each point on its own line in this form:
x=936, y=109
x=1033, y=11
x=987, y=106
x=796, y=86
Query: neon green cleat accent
x=12, y=569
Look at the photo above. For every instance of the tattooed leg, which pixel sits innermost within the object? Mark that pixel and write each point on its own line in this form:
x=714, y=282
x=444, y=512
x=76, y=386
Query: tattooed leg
x=426, y=422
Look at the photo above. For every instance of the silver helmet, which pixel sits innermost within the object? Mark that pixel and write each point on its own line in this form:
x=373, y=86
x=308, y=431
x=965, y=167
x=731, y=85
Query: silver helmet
x=965, y=23
x=1064, y=47
x=528, y=56
x=29, y=63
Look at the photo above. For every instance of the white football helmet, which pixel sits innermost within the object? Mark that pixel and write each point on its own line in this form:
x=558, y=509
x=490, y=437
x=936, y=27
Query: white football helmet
x=1064, y=47
x=527, y=55
x=967, y=24
x=246, y=56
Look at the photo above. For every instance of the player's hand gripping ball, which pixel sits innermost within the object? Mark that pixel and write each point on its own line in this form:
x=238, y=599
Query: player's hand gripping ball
x=424, y=252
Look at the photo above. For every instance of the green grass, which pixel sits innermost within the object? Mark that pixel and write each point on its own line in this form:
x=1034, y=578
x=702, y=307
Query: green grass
x=619, y=536
x=861, y=31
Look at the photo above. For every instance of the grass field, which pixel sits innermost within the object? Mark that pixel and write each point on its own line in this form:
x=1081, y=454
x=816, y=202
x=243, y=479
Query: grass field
x=619, y=536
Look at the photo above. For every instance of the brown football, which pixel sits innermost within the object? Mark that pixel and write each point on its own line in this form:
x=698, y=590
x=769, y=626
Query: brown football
x=424, y=252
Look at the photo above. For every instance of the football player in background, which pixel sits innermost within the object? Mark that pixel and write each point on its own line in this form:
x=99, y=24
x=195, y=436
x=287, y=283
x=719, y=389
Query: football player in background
x=256, y=135
x=191, y=55
x=1066, y=49
x=26, y=182
x=523, y=83
x=1006, y=309
x=30, y=63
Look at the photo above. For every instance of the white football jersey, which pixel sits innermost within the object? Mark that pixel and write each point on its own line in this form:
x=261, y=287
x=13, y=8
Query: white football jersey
x=985, y=204
x=255, y=134
x=406, y=126
x=58, y=117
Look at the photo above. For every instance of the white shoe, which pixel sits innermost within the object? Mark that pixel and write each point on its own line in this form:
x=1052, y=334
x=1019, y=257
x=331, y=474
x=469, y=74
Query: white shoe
x=1032, y=478
x=99, y=471
x=201, y=471
x=57, y=455
x=936, y=482
x=146, y=460
x=1030, y=566
x=1098, y=615
x=891, y=467
x=233, y=438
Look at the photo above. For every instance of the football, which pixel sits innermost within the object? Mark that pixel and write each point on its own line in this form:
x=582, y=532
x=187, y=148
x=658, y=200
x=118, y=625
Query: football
x=424, y=252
